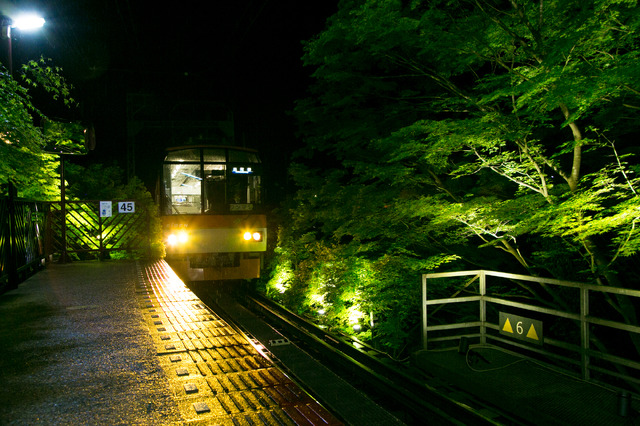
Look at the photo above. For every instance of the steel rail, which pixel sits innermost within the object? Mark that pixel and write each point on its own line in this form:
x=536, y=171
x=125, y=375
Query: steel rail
x=405, y=386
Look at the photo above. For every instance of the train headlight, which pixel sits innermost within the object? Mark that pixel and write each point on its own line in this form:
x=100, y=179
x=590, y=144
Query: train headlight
x=252, y=236
x=179, y=238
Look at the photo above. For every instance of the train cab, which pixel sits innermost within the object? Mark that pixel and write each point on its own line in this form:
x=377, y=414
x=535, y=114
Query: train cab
x=211, y=209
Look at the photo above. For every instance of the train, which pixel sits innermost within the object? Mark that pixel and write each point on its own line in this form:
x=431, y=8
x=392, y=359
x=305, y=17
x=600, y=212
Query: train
x=211, y=209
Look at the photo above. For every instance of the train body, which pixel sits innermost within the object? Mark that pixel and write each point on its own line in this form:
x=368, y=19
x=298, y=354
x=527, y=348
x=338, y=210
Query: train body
x=210, y=203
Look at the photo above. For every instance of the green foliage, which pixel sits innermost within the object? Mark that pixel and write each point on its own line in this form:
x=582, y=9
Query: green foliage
x=497, y=134
x=44, y=76
x=96, y=182
x=23, y=144
x=30, y=155
x=64, y=138
x=343, y=258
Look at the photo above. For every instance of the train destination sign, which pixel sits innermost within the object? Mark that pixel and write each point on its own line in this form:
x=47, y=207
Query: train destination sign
x=521, y=328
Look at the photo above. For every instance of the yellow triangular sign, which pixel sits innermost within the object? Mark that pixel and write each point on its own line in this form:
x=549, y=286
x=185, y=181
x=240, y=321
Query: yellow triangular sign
x=507, y=326
x=532, y=333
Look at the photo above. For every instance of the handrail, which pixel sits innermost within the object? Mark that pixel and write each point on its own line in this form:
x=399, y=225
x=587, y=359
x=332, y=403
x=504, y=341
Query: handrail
x=21, y=248
x=583, y=317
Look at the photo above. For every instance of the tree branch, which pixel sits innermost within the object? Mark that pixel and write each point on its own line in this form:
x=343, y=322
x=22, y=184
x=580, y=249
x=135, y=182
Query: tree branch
x=577, y=150
x=509, y=177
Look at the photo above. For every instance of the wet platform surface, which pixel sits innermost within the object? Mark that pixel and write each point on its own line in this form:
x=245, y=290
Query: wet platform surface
x=217, y=374
x=125, y=343
x=76, y=351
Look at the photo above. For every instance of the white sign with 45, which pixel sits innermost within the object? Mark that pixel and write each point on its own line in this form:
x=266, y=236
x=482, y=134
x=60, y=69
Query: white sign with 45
x=126, y=207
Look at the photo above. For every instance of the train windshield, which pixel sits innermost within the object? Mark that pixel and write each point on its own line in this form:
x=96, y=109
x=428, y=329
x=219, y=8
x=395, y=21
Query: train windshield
x=211, y=180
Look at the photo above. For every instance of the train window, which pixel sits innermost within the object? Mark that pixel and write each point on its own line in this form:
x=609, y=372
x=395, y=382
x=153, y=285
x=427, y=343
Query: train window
x=219, y=181
x=184, y=155
x=214, y=188
x=214, y=155
x=183, y=183
x=253, y=189
x=244, y=186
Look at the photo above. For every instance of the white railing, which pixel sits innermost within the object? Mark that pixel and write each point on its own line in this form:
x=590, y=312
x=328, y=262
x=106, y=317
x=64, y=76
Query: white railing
x=583, y=319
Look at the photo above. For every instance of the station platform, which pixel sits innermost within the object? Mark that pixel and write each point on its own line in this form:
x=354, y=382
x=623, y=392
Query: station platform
x=121, y=342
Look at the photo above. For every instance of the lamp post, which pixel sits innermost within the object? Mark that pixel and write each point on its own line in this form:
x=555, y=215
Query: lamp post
x=79, y=141
x=24, y=22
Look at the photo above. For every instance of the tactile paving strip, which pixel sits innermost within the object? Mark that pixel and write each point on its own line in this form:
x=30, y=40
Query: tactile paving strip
x=216, y=374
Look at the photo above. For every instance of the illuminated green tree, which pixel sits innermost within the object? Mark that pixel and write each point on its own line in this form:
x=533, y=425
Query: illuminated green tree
x=23, y=150
x=502, y=133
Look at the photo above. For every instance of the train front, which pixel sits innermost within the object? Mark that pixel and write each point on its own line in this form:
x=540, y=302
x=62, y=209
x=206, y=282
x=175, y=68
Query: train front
x=212, y=219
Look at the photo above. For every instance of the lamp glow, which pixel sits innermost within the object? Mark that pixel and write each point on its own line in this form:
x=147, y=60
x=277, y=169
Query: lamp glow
x=28, y=22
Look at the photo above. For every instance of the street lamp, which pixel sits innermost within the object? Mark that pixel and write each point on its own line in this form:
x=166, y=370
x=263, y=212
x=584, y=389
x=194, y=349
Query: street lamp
x=25, y=22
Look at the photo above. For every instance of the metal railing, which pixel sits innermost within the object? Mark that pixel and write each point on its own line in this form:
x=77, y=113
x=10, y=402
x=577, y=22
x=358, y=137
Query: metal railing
x=21, y=238
x=31, y=232
x=572, y=338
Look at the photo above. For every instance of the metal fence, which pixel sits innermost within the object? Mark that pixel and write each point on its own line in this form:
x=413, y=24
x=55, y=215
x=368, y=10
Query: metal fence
x=33, y=232
x=86, y=233
x=21, y=238
x=588, y=329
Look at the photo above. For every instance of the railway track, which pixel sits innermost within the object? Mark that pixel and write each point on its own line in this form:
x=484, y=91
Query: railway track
x=402, y=390
x=395, y=385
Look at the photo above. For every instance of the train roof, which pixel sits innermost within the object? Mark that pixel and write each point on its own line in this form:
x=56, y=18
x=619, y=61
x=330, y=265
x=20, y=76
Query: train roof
x=236, y=148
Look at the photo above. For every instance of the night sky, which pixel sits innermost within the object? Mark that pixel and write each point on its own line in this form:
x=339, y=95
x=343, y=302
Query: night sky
x=245, y=54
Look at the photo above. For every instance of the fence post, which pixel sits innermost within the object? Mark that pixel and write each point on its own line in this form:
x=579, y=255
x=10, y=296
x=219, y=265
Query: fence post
x=424, y=312
x=64, y=258
x=13, y=246
x=483, y=307
x=100, y=236
x=584, y=332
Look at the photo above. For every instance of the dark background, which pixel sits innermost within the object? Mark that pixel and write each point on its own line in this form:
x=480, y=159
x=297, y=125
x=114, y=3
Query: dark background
x=244, y=54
